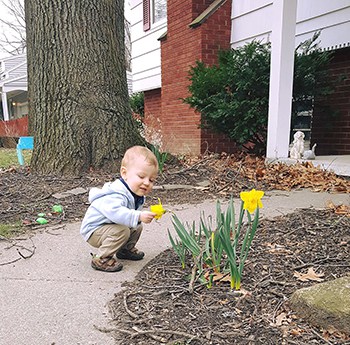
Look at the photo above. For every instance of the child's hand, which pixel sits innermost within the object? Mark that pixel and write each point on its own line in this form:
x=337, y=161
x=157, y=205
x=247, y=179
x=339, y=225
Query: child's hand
x=147, y=217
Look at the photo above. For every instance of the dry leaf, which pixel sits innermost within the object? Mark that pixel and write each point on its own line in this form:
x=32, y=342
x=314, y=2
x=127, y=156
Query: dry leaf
x=260, y=172
x=310, y=275
x=222, y=277
x=277, y=249
x=224, y=301
x=279, y=320
x=333, y=332
x=296, y=332
x=339, y=209
x=218, y=277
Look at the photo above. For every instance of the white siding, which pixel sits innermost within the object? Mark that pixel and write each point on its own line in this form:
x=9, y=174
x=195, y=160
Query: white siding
x=14, y=75
x=332, y=17
x=252, y=19
x=145, y=50
x=10, y=62
x=14, y=84
x=129, y=82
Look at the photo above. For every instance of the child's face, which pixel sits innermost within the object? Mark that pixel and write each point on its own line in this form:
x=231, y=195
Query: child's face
x=140, y=176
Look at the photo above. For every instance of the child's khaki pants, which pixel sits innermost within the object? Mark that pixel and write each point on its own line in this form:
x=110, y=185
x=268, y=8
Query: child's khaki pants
x=110, y=238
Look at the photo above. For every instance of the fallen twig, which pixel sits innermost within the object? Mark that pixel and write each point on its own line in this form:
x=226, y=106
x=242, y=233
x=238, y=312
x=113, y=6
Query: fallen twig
x=10, y=262
x=193, y=277
x=316, y=262
x=149, y=334
x=320, y=336
x=31, y=251
x=132, y=314
x=165, y=331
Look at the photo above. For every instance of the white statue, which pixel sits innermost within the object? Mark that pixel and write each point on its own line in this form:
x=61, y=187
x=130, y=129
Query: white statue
x=297, y=148
x=310, y=154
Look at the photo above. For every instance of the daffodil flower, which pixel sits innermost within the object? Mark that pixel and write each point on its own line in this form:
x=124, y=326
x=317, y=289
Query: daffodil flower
x=252, y=200
x=158, y=210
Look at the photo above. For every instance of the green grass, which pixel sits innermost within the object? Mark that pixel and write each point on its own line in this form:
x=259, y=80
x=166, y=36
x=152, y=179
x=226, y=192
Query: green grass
x=8, y=157
x=10, y=230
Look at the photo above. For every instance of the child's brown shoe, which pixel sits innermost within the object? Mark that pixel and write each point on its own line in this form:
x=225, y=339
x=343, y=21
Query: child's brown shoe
x=132, y=254
x=107, y=264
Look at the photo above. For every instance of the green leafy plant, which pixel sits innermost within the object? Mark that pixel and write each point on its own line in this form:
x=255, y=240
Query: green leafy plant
x=213, y=245
x=161, y=157
x=137, y=101
x=223, y=243
x=179, y=249
x=250, y=202
x=310, y=76
x=233, y=95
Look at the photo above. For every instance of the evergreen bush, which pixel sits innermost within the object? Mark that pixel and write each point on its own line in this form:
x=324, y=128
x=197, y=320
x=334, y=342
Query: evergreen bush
x=136, y=101
x=233, y=95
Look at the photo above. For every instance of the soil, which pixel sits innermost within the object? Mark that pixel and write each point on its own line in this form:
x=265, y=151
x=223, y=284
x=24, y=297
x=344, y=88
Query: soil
x=157, y=307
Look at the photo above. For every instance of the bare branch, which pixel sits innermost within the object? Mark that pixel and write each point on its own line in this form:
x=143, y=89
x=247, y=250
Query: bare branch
x=13, y=35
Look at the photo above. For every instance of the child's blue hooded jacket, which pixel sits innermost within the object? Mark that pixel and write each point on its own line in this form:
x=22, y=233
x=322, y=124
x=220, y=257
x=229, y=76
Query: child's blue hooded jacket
x=114, y=203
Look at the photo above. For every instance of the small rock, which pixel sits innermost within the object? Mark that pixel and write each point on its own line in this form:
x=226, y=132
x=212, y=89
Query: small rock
x=75, y=191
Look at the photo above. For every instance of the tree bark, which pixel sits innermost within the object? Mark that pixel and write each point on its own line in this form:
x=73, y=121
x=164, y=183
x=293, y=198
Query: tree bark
x=79, y=110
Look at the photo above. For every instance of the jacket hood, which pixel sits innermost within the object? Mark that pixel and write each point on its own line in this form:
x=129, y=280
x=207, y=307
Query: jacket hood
x=107, y=189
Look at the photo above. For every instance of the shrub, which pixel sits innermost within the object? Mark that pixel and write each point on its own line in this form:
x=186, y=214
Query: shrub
x=137, y=103
x=233, y=96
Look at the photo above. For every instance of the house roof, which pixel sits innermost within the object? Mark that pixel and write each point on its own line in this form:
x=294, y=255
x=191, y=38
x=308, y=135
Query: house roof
x=202, y=17
x=13, y=73
x=10, y=62
x=207, y=13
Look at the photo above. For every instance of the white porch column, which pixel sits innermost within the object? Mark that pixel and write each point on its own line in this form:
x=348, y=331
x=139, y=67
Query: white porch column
x=281, y=77
x=4, y=106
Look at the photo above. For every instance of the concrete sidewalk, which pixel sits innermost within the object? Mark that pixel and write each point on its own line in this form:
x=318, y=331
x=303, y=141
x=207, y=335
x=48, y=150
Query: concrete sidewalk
x=55, y=297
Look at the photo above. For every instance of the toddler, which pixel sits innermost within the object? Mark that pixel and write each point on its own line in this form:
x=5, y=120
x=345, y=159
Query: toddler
x=113, y=221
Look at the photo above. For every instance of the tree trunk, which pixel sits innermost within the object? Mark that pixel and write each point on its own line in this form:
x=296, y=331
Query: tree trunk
x=79, y=109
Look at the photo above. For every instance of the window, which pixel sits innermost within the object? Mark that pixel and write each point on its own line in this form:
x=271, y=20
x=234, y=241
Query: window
x=158, y=10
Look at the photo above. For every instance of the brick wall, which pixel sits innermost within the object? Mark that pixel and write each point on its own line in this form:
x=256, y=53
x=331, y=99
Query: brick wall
x=332, y=133
x=152, y=117
x=180, y=49
x=216, y=34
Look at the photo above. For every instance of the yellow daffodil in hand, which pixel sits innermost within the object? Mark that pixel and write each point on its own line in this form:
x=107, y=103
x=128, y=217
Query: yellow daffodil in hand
x=158, y=210
x=252, y=200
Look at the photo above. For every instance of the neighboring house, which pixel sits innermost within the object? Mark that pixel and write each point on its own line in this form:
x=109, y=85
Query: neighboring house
x=13, y=87
x=14, y=97
x=163, y=48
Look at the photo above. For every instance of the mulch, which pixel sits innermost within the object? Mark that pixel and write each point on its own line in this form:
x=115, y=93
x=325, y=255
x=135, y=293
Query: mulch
x=157, y=307
x=24, y=195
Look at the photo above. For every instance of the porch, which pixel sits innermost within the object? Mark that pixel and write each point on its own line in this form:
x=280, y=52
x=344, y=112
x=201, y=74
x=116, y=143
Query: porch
x=338, y=164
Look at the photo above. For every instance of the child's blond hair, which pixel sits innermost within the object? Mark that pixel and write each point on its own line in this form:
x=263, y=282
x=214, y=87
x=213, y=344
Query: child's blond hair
x=135, y=152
